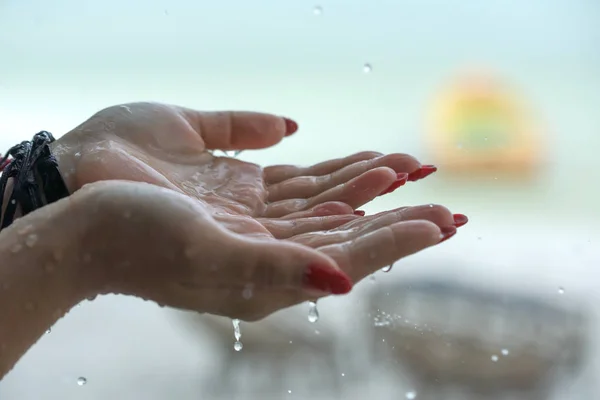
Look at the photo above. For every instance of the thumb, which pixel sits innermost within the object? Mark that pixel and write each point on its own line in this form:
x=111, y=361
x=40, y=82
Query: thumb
x=234, y=130
x=281, y=265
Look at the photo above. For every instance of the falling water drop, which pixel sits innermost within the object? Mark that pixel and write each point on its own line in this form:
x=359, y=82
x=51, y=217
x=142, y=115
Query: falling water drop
x=318, y=10
x=505, y=352
x=561, y=290
x=48, y=330
x=237, y=346
x=411, y=395
x=81, y=381
x=494, y=358
x=367, y=68
x=388, y=268
x=289, y=392
x=313, y=312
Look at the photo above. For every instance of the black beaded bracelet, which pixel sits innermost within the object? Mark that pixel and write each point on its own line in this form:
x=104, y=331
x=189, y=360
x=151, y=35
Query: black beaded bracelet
x=37, y=180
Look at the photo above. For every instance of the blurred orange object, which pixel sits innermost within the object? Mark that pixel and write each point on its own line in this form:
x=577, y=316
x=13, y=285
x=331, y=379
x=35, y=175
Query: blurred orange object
x=479, y=125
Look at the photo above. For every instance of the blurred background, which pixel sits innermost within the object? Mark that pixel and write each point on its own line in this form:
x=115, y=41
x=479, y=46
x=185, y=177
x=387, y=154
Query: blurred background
x=502, y=95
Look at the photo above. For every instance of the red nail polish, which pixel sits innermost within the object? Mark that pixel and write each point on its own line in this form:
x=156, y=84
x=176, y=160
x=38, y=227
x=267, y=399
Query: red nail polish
x=290, y=126
x=447, y=233
x=326, y=279
x=422, y=172
x=401, y=179
x=360, y=213
x=460, y=220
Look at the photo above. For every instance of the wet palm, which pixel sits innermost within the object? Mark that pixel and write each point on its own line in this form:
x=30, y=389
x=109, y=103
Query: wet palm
x=172, y=147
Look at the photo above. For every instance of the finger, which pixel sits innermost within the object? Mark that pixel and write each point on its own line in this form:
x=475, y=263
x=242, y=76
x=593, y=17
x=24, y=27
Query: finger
x=284, y=229
x=355, y=193
x=436, y=214
x=322, y=210
x=237, y=130
x=279, y=173
x=366, y=254
x=308, y=186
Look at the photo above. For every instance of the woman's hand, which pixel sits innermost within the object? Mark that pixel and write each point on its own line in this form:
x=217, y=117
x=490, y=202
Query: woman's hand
x=257, y=239
x=162, y=245
x=171, y=147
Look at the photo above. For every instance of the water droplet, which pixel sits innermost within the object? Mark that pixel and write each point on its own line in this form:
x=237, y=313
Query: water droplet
x=372, y=278
x=13, y=201
x=343, y=374
x=561, y=290
x=77, y=155
x=48, y=330
x=237, y=153
x=31, y=240
x=367, y=68
x=478, y=237
x=485, y=139
x=505, y=352
x=494, y=358
x=411, y=395
x=318, y=10
x=289, y=392
x=313, y=312
x=237, y=333
x=388, y=268
x=247, y=292
x=317, y=332
x=81, y=381
x=431, y=206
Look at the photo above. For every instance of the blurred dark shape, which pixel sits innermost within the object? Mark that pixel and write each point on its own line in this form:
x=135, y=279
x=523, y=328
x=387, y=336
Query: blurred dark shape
x=274, y=349
x=479, y=125
x=483, y=344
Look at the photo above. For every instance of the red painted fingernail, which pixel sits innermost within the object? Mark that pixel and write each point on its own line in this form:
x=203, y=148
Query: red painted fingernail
x=422, y=172
x=460, y=220
x=360, y=213
x=447, y=233
x=327, y=279
x=401, y=179
x=290, y=126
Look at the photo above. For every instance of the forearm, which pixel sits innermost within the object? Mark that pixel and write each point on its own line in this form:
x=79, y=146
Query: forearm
x=40, y=276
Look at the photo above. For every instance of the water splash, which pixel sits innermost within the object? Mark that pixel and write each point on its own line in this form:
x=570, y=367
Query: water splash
x=313, y=312
x=237, y=346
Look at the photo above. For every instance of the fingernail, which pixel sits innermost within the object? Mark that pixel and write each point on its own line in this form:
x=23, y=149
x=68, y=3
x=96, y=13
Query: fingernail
x=290, y=126
x=401, y=179
x=460, y=220
x=447, y=233
x=360, y=213
x=326, y=279
x=422, y=172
